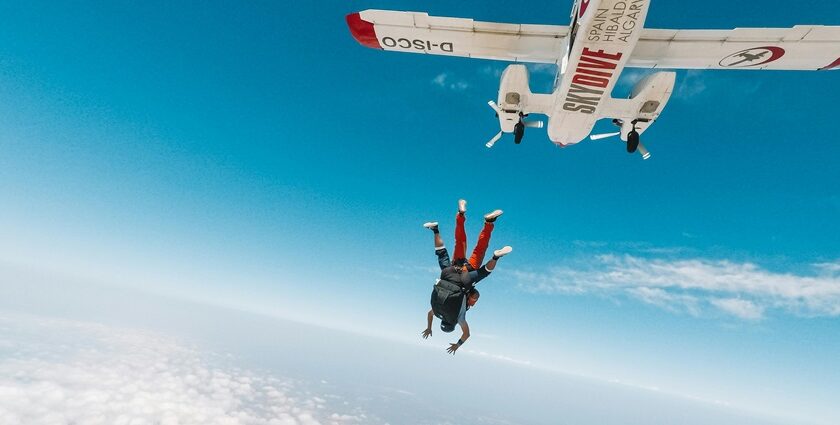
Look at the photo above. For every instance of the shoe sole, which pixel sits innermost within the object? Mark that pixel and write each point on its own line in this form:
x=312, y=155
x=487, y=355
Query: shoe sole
x=502, y=252
x=493, y=215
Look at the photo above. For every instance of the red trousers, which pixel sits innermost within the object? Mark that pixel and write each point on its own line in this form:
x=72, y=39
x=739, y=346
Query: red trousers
x=461, y=242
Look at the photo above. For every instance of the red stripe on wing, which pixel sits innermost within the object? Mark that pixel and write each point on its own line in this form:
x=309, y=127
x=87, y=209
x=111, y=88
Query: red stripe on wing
x=832, y=65
x=362, y=31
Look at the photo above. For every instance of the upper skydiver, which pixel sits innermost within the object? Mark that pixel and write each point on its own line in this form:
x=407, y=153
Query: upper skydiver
x=454, y=293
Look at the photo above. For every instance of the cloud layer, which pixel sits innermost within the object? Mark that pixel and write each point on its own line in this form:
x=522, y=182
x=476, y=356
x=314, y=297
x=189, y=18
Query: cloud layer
x=61, y=372
x=695, y=286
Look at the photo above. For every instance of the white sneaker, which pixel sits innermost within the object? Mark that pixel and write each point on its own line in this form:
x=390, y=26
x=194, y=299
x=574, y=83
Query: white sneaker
x=502, y=252
x=462, y=206
x=432, y=225
x=492, y=216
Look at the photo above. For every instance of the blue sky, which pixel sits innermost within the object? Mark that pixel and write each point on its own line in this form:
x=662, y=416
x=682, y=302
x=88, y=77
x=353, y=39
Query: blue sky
x=255, y=156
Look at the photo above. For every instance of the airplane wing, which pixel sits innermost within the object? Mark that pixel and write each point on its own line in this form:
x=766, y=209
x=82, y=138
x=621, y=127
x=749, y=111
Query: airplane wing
x=418, y=32
x=803, y=47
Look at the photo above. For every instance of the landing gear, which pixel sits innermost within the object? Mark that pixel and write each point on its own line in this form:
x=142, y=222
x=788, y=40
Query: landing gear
x=633, y=137
x=632, y=141
x=507, y=116
x=518, y=132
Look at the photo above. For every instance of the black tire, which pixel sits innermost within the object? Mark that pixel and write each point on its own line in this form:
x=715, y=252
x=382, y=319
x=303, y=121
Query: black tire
x=518, y=132
x=632, y=141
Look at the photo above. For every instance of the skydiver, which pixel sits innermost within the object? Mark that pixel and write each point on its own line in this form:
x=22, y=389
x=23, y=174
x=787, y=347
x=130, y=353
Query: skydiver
x=455, y=293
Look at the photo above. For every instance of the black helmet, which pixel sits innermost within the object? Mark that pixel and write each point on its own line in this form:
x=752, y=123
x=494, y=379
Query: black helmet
x=446, y=326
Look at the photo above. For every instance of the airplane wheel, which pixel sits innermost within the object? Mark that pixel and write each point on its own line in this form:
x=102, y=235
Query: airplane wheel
x=518, y=132
x=632, y=141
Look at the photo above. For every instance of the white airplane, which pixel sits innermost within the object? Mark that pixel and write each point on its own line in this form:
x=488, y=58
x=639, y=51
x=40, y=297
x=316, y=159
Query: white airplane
x=604, y=37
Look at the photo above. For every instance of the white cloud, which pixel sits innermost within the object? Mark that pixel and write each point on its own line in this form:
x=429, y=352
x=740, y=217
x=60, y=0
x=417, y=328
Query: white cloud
x=688, y=85
x=741, y=308
x=629, y=78
x=62, y=372
x=445, y=80
x=692, y=84
x=625, y=246
x=664, y=299
x=500, y=358
x=542, y=68
x=830, y=269
x=440, y=80
x=744, y=290
x=459, y=85
x=493, y=71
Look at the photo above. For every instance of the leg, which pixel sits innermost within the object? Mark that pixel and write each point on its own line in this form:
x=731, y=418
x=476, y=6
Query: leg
x=481, y=246
x=433, y=226
x=460, y=238
x=440, y=250
x=443, y=258
x=484, y=238
x=499, y=253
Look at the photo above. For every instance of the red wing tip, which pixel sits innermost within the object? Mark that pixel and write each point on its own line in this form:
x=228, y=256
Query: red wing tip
x=362, y=31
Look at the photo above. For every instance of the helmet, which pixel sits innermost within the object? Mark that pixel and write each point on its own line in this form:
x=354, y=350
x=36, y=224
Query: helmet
x=446, y=326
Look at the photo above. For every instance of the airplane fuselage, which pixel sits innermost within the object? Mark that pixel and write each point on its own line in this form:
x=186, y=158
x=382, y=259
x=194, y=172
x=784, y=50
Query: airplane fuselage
x=602, y=37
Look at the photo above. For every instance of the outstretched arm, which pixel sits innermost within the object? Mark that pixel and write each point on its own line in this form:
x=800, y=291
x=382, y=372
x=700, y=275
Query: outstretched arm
x=428, y=332
x=465, y=333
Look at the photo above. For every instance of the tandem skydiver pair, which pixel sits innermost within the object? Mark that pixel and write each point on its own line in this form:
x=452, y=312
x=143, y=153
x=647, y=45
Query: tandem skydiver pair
x=454, y=292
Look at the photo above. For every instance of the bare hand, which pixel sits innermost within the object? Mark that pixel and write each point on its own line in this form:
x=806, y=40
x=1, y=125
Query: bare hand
x=427, y=333
x=452, y=349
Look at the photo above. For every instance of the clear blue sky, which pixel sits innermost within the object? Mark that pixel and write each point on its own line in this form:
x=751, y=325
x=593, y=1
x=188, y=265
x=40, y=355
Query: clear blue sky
x=254, y=155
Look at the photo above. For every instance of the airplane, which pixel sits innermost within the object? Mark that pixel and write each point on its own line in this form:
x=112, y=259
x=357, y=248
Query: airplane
x=603, y=38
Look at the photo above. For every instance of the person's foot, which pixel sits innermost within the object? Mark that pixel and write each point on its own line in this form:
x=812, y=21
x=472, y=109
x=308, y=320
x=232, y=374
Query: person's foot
x=462, y=206
x=492, y=216
x=499, y=253
x=432, y=225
